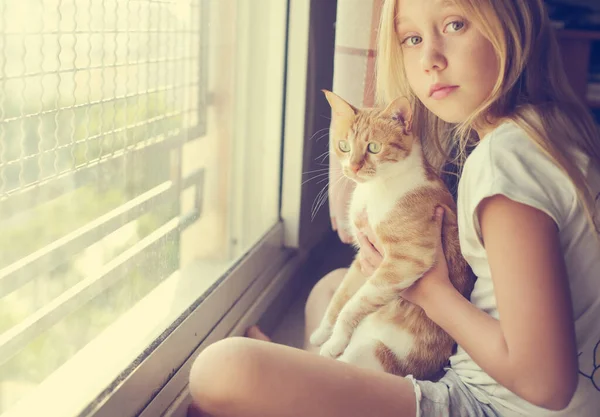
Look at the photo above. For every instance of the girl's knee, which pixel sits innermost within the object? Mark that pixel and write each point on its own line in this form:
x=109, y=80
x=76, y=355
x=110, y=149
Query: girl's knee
x=330, y=282
x=222, y=373
x=325, y=288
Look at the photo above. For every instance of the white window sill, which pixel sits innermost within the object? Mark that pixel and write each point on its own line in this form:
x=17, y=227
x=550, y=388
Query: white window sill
x=189, y=303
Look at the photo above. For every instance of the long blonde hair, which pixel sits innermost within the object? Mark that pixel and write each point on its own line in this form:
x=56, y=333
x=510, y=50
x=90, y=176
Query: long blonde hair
x=532, y=89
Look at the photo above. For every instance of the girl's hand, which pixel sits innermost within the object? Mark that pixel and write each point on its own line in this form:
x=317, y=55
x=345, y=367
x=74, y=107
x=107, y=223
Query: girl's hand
x=420, y=292
x=343, y=234
x=369, y=255
x=434, y=280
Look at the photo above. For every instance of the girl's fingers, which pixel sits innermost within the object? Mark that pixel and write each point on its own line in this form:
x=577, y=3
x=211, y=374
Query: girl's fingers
x=370, y=235
x=363, y=254
x=366, y=247
x=362, y=239
x=369, y=253
x=370, y=269
x=344, y=236
x=366, y=267
x=439, y=217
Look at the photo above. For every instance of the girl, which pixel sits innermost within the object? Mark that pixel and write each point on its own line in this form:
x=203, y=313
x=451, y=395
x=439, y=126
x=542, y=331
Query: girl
x=528, y=341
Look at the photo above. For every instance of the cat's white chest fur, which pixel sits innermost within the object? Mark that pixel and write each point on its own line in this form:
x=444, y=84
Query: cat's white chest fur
x=379, y=196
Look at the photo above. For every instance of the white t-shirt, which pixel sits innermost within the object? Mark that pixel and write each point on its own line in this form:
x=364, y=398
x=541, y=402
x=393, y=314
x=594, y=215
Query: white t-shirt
x=507, y=162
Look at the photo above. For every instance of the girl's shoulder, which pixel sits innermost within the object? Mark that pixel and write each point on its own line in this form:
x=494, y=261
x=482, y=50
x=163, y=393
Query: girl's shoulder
x=506, y=140
x=509, y=147
x=508, y=162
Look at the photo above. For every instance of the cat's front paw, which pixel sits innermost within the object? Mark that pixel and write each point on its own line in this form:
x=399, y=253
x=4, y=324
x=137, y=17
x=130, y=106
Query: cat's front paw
x=321, y=335
x=335, y=346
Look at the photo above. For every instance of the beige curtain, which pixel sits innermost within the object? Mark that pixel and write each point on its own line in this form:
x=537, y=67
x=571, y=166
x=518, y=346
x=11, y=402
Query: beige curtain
x=354, y=80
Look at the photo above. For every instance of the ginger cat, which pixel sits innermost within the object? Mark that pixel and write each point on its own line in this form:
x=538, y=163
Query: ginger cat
x=367, y=323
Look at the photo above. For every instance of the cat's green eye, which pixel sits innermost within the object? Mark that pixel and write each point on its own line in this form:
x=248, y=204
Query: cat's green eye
x=374, y=147
x=344, y=146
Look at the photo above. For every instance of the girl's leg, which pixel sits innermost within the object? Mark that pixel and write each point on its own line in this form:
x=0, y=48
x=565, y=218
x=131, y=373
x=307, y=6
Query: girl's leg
x=254, y=332
x=246, y=378
x=242, y=377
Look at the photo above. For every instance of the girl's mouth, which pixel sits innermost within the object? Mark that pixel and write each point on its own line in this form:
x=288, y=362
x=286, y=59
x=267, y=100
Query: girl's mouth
x=439, y=92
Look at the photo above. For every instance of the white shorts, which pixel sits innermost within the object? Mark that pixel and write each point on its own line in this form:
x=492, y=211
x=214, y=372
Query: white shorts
x=449, y=397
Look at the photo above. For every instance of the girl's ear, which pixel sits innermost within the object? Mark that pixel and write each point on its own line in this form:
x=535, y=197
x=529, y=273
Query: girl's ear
x=340, y=107
x=401, y=111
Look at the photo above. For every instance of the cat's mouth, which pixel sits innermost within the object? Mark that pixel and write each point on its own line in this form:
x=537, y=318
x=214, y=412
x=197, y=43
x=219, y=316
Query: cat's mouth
x=359, y=177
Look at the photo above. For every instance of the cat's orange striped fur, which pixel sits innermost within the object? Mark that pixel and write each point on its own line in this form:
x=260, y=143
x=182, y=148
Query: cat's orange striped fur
x=367, y=322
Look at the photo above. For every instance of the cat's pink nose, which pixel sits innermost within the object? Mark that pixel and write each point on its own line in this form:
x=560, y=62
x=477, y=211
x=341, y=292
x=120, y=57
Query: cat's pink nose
x=355, y=167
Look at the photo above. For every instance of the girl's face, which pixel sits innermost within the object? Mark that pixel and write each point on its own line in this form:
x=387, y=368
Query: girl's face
x=450, y=65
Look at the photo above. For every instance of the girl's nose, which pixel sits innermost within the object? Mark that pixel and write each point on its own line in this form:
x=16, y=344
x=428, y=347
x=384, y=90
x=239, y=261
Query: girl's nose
x=432, y=58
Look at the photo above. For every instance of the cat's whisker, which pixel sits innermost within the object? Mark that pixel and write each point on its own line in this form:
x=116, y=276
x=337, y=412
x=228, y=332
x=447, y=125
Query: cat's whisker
x=318, y=132
x=321, y=137
x=323, y=195
x=326, y=165
x=322, y=130
x=323, y=155
x=318, y=202
x=321, y=198
x=316, y=170
x=325, y=174
x=317, y=174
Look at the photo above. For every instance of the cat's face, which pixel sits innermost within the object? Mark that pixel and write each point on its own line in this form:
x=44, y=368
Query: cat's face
x=370, y=143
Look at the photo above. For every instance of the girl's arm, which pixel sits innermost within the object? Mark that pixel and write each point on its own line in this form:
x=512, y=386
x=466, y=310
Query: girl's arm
x=531, y=350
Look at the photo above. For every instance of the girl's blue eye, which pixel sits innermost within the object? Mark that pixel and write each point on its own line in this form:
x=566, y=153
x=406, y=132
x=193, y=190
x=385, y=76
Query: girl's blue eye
x=413, y=40
x=456, y=25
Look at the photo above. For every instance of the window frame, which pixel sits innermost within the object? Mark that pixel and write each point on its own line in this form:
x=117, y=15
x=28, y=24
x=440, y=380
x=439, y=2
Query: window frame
x=311, y=33
x=147, y=385
x=158, y=384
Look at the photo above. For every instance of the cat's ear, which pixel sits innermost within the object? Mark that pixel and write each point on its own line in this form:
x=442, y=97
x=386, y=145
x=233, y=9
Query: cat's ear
x=339, y=106
x=401, y=111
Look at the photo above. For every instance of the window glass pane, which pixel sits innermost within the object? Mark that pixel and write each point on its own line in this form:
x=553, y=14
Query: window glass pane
x=127, y=152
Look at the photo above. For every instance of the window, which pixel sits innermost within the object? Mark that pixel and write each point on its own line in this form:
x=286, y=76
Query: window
x=140, y=153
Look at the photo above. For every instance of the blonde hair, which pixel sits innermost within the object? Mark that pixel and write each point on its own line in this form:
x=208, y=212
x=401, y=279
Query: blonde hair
x=532, y=89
